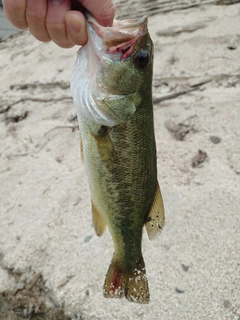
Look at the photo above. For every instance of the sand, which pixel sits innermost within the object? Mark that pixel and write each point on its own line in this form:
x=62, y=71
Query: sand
x=49, y=252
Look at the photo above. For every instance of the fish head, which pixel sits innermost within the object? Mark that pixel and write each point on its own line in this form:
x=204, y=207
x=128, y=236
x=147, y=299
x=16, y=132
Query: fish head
x=124, y=52
x=117, y=72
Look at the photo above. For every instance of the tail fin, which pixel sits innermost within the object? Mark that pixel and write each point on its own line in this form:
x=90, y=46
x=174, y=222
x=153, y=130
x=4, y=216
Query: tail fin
x=131, y=284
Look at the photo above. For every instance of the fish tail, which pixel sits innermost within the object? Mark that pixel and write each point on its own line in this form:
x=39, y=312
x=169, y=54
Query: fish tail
x=131, y=284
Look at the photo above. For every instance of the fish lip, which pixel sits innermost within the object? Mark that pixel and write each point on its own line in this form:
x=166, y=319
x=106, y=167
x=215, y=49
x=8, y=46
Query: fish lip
x=127, y=24
x=115, y=39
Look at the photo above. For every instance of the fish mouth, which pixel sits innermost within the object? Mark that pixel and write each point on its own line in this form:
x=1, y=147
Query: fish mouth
x=120, y=39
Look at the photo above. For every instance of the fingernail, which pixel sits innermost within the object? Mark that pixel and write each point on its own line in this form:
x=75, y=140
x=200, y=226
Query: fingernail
x=57, y=2
x=73, y=25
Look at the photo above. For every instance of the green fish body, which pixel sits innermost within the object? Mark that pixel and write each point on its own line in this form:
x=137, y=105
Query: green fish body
x=111, y=85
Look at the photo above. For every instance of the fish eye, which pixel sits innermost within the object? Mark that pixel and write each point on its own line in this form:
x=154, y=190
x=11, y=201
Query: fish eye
x=141, y=58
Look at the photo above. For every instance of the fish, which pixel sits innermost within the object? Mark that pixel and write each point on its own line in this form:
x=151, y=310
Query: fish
x=111, y=85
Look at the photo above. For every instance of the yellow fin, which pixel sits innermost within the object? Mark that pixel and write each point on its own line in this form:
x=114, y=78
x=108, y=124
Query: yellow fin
x=131, y=284
x=81, y=149
x=98, y=221
x=156, y=218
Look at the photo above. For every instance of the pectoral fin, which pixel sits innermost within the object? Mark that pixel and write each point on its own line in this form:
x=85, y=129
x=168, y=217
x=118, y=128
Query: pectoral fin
x=98, y=221
x=156, y=218
x=81, y=149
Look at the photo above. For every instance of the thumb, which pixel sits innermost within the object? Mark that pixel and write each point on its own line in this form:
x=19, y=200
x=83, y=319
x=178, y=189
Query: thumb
x=102, y=10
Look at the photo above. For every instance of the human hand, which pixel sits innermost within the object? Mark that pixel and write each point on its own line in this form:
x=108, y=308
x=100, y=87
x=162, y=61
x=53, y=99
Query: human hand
x=59, y=20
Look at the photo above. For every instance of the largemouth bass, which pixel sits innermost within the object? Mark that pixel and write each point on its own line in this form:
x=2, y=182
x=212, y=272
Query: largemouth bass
x=111, y=86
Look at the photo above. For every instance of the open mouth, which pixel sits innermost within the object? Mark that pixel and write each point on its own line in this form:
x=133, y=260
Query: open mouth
x=122, y=36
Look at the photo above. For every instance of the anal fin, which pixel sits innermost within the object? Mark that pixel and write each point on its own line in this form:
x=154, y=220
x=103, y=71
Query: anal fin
x=156, y=218
x=98, y=221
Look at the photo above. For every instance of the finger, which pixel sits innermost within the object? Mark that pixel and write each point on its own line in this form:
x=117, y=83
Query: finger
x=102, y=10
x=76, y=27
x=55, y=22
x=36, y=13
x=15, y=12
